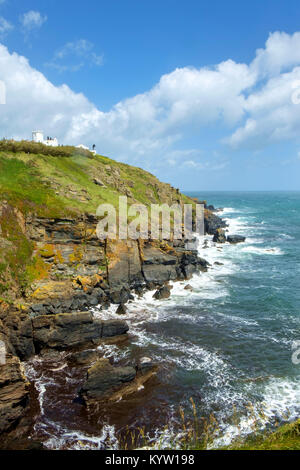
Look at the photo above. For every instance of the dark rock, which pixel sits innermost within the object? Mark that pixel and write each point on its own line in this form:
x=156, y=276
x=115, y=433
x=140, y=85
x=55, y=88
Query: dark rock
x=162, y=293
x=103, y=379
x=14, y=392
x=144, y=364
x=219, y=236
x=212, y=222
x=217, y=263
x=235, y=239
x=121, y=310
x=84, y=357
x=64, y=331
x=188, y=287
x=17, y=328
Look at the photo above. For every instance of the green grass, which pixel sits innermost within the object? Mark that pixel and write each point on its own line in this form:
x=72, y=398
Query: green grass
x=59, y=182
x=286, y=437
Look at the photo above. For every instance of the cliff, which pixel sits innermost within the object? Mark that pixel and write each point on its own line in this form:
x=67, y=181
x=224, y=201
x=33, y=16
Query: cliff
x=53, y=267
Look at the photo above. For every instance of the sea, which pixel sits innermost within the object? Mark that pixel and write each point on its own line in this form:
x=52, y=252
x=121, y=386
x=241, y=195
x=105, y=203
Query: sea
x=226, y=349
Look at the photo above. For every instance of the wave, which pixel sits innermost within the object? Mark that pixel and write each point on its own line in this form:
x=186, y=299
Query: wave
x=275, y=251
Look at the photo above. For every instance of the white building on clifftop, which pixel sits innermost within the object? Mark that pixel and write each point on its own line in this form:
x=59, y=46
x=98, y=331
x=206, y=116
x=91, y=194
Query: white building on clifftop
x=38, y=136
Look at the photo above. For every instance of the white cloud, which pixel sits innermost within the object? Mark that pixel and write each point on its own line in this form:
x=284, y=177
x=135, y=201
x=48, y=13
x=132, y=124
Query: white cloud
x=5, y=26
x=74, y=55
x=250, y=103
x=32, y=20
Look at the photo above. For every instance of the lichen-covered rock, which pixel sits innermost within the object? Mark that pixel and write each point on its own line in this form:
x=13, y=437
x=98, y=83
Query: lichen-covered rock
x=14, y=391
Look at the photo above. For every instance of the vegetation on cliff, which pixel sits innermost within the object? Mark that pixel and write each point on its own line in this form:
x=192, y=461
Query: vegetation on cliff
x=61, y=183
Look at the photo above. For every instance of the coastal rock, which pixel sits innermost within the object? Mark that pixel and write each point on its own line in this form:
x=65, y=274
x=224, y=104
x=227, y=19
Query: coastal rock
x=106, y=382
x=162, y=293
x=14, y=392
x=65, y=331
x=121, y=310
x=235, y=239
x=219, y=236
x=144, y=364
x=158, y=267
x=188, y=287
x=212, y=222
x=84, y=357
x=16, y=327
x=103, y=378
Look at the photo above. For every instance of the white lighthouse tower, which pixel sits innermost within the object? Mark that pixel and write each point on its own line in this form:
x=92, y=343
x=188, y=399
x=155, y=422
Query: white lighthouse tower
x=38, y=136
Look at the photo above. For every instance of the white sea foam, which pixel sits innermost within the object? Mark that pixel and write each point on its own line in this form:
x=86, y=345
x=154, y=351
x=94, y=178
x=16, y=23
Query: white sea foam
x=275, y=251
x=76, y=440
x=281, y=402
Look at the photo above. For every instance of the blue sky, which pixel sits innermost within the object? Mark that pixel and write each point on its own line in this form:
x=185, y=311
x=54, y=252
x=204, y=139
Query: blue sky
x=176, y=87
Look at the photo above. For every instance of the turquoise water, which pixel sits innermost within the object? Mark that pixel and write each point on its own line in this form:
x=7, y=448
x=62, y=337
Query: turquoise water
x=227, y=343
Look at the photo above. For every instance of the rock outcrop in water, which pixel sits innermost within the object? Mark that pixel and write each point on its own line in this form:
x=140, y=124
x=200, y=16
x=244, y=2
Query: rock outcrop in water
x=107, y=382
x=234, y=239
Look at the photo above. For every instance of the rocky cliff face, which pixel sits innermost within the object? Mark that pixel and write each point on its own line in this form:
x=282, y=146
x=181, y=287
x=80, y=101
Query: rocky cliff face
x=53, y=268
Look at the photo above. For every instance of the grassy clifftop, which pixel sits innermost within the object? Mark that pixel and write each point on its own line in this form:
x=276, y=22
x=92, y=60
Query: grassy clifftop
x=57, y=185
x=63, y=182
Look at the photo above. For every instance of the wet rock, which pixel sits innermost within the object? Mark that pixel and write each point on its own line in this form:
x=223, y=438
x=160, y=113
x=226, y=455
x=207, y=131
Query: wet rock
x=235, y=239
x=162, y=293
x=121, y=310
x=103, y=379
x=219, y=236
x=64, y=331
x=217, y=263
x=84, y=357
x=212, y=222
x=144, y=364
x=14, y=392
x=188, y=287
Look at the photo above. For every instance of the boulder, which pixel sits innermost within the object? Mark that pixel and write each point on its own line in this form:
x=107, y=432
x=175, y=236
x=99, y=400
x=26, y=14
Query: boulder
x=69, y=330
x=162, y=293
x=219, y=236
x=188, y=287
x=98, y=182
x=103, y=379
x=121, y=310
x=235, y=239
x=14, y=393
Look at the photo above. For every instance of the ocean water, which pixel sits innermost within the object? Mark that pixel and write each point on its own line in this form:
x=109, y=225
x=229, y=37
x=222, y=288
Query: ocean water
x=227, y=344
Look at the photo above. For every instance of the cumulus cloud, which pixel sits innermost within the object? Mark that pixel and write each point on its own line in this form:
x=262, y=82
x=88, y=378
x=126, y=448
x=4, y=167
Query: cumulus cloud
x=32, y=20
x=251, y=103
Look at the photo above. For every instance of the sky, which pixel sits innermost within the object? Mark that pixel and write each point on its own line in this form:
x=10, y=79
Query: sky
x=204, y=94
